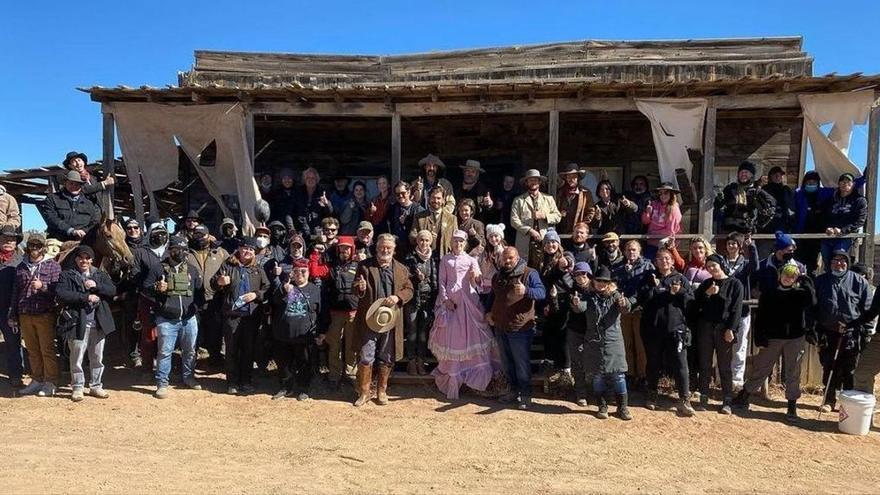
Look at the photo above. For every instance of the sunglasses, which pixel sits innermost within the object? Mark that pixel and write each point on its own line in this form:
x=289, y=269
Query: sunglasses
x=133, y=228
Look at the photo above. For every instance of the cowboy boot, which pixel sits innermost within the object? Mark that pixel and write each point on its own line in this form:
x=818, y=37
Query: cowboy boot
x=411, y=367
x=384, y=373
x=364, y=380
x=420, y=367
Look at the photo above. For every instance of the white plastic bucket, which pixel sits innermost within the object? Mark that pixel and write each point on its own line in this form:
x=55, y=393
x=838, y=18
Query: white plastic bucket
x=856, y=412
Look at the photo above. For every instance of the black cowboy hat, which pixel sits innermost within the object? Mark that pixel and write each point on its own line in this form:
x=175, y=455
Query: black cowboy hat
x=603, y=274
x=432, y=159
x=9, y=231
x=573, y=168
x=74, y=154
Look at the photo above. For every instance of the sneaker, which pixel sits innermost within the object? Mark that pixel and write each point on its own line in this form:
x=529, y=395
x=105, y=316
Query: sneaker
x=280, y=394
x=302, y=396
x=247, y=389
x=137, y=362
x=791, y=414
x=524, y=402
x=232, y=390
x=32, y=388
x=48, y=390
x=162, y=392
x=583, y=403
x=192, y=383
x=651, y=402
x=695, y=395
x=602, y=413
x=98, y=393
x=741, y=401
x=77, y=395
x=685, y=409
x=826, y=408
x=725, y=409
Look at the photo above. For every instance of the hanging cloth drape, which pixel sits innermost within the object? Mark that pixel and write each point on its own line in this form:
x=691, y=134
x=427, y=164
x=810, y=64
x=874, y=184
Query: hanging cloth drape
x=677, y=126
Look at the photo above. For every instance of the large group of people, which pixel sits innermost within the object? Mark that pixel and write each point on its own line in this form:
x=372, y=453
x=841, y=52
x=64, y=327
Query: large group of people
x=457, y=280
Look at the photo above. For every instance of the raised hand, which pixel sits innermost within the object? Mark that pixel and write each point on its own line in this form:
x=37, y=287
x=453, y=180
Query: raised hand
x=162, y=285
x=223, y=280
x=712, y=290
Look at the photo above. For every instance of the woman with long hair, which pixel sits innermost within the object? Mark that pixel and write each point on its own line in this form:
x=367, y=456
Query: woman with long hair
x=662, y=217
x=474, y=228
x=610, y=209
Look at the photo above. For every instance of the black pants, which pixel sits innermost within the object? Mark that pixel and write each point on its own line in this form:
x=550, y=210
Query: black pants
x=131, y=329
x=843, y=369
x=418, y=318
x=240, y=334
x=663, y=354
x=711, y=344
x=555, y=336
x=294, y=361
x=211, y=329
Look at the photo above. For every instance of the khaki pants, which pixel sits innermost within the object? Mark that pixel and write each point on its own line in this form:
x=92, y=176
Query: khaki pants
x=868, y=367
x=341, y=333
x=38, y=333
x=636, y=360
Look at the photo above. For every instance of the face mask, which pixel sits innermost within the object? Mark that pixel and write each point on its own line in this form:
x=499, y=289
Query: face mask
x=262, y=242
x=837, y=272
x=158, y=240
x=178, y=256
x=787, y=257
x=200, y=242
x=811, y=188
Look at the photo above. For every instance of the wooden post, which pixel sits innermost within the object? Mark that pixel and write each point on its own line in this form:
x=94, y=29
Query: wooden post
x=707, y=188
x=553, y=152
x=395, y=148
x=249, y=132
x=871, y=172
x=109, y=161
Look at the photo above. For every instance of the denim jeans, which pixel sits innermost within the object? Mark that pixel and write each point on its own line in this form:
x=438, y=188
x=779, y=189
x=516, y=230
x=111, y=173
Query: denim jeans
x=93, y=343
x=170, y=332
x=14, y=355
x=516, y=350
x=604, y=383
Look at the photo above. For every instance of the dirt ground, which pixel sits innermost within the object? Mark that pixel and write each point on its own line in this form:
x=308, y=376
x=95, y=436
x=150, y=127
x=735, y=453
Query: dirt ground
x=197, y=441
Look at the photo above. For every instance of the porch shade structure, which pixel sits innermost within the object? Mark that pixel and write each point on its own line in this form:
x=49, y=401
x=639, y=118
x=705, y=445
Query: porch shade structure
x=676, y=126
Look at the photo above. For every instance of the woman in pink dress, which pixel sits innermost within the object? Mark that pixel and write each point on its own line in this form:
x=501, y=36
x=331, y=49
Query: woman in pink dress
x=460, y=338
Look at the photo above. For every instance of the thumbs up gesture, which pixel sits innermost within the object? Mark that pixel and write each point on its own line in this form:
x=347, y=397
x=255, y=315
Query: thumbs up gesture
x=223, y=280
x=162, y=285
x=361, y=283
x=487, y=202
x=621, y=301
x=575, y=300
x=323, y=199
x=712, y=290
x=519, y=289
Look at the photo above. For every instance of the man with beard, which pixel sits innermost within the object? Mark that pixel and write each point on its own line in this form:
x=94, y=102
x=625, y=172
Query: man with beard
x=402, y=216
x=380, y=279
x=516, y=288
x=178, y=296
x=342, y=303
x=69, y=214
x=229, y=239
x=432, y=176
x=436, y=220
x=192, y=220
x=145, y=272
x=640, y=196
x=609, y=253
x=473, y=188
x=580, y=247
x=363, y=243
x=532, y=213
x=207, y=260
x=574, y=202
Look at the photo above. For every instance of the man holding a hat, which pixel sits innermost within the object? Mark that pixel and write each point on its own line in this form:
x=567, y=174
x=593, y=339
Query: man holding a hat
x=32, y=311
x=10, y=258
x=531, y=214
x=845, y=213
x=383, y=287
x=575, y=203
x=69, y=214
x=432, y=176
x=474, y=189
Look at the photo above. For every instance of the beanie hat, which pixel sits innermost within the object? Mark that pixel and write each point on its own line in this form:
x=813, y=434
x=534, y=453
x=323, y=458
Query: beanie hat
x=783, y=241
x=551, y=236
x=495, y=228
x=748, y=165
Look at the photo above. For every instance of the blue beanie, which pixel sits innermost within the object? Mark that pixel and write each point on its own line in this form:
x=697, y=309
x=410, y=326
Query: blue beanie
x=582, y=267
x=783, y=240
x=551, y=235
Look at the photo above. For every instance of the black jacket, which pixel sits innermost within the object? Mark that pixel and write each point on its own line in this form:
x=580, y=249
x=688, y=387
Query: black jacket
x=259, y=284
x=7, y=280
x=723, y=309
x=73, y=297
x=147, y=270
x=64, y=214
x=784, y=211
x=664, y=314
x=785, y=313
x=757, y=211
x=180, y=306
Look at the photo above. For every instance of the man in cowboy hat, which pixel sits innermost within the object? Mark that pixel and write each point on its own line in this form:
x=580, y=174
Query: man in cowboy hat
x=10, y=257
x=76, y=161
x=381, y=282
x=431, y=176
x=575, y=203
x=474, y=189
x=436, y=219
x=532, y=212
x=69, y=214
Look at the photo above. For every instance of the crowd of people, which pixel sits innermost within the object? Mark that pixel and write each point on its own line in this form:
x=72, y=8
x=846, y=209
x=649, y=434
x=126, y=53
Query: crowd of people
x=457, y=280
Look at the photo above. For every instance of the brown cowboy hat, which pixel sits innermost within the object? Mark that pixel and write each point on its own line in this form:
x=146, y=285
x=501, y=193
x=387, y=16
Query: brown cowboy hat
x=532, y=173
x=473, y=164
x=667, y=186
x=381, y=318
x=573, y=168
x=432, y=159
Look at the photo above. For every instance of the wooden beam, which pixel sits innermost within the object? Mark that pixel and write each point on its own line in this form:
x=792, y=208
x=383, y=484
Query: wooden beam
x=707, y=191
x=395, y=148
x=553, y=152
x=109, y=162
x=346, y=109
x=871, y=172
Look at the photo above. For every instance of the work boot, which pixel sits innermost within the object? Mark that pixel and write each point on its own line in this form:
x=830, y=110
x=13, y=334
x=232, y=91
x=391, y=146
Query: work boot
x=602, y=413
x=98, y=393
x=651, y=402
x=791, y=414
x=420, y=367
x=364, y=379
x=685, y=409
x=382, y=385
x=704, y=403
x=622, y=409
x=725, y=406
x=741, y=401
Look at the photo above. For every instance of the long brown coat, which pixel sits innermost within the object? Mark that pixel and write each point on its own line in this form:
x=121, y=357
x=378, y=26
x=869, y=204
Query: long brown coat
x=403, y=289
x=441, y=231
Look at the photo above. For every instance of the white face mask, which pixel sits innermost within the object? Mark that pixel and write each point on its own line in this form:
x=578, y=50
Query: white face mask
x=262, y=242
x=837, y=272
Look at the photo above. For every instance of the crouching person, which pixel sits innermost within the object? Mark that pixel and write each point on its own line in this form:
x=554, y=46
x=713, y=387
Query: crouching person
x=83, y=292
x=604, y=352
x=383, y=286
x=784, y=315
x=179, y=293
x=296, y=304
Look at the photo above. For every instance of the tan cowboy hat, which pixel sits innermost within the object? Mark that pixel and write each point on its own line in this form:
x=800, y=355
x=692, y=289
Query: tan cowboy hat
x=432, y=159
x=473, y=164
x=381, y=318
x=532, y=173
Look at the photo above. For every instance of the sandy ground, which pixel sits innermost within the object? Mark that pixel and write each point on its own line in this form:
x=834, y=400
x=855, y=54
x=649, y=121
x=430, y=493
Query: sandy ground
x=197, y=441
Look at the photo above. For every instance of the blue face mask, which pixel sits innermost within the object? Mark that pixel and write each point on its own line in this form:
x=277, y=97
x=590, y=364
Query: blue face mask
x=811, y=188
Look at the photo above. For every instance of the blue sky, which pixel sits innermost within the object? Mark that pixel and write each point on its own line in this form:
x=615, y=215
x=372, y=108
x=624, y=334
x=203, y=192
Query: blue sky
x=47, y=49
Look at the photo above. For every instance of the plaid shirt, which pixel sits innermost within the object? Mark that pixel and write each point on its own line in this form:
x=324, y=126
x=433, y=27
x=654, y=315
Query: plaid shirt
x=25, y=299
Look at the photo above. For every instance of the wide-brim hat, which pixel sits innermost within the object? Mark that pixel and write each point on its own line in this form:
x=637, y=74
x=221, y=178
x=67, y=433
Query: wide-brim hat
x=530, y=173
x=432, y=159
x=381, y=318
x=473, y=164
x=262, y=229
x=72, y=176
x=37, y=238
x=74, y=154
x=603, y=274
x=9, y=231
x=573, y=168
x=667, y=186
x=194, y=215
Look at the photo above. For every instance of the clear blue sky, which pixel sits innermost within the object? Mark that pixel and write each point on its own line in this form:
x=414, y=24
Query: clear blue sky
x=47, y=49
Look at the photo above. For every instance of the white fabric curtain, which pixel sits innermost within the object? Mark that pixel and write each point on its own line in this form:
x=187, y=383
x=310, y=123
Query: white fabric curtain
x=677, y=126
x=147, y=135
x=842, y=111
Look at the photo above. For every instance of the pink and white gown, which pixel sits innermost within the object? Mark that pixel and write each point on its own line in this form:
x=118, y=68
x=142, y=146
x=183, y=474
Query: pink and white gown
x=460, y=338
